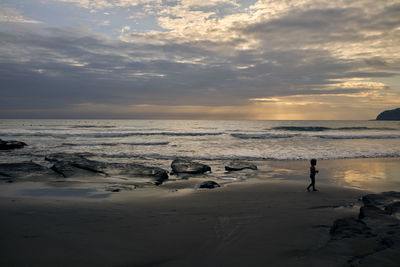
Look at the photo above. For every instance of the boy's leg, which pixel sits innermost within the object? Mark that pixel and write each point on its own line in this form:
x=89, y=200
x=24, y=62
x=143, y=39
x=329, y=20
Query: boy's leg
x=313, y=183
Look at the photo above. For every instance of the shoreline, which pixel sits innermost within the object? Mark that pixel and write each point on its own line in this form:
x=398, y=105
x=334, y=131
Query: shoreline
x=268, y=218
x=249, y=223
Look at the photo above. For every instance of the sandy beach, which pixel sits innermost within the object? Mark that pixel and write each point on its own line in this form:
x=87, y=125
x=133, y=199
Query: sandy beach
x=199, y=133
x=259, y=222
x=256, y=224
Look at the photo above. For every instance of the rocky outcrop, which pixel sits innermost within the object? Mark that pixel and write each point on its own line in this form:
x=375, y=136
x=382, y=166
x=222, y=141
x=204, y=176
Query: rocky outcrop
x=378, y=210
x=349, y=227
x=69, y=164
x=393, y=208
x=371, y=212
x=240, y=165
x=64, y=163
x=389, y=115
x=209, y=185
x=374, y=235
x=8, y=145
x=186, y=166
x=23, y=170
x=133, y=169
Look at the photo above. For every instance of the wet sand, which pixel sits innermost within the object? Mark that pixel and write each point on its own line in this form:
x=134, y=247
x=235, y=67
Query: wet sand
x=259, y=222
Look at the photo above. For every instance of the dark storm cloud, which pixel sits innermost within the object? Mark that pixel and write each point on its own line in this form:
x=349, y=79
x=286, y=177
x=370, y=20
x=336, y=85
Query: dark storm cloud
x=59, y=67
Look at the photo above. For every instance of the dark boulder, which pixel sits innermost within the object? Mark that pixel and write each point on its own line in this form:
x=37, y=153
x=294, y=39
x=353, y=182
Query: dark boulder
x=389, y=115
x=240, y=165
x=119, y=188
x=186, y=166
x=209, y=184
x=7, y=145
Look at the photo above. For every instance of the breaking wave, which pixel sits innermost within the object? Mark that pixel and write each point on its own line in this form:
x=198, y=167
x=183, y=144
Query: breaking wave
x=117, y=144
x=263, y=136
x=326, y=136
x=382, y=136
x=92, y=126
x=111, y=135
x=321, y=128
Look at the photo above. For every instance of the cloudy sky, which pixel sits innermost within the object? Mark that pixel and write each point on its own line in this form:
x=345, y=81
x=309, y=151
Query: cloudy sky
x=199, y=59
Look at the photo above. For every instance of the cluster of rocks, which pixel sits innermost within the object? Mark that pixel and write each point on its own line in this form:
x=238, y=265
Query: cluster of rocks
x=179, y=166
x=375, y=233
x=11, y=144
x=78, y=164
x=68, y=165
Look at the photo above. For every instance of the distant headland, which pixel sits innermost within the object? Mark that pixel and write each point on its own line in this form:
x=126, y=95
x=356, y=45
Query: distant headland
x=389, y=115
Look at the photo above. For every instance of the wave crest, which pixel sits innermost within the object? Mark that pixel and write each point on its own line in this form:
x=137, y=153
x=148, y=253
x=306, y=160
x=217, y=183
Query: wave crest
x=263, y=136
x=322, y=128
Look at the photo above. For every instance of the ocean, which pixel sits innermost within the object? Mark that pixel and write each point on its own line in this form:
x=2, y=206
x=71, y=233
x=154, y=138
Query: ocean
x=211, y=140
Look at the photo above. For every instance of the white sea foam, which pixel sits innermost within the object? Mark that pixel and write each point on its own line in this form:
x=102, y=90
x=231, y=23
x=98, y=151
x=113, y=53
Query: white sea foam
x=203, y=140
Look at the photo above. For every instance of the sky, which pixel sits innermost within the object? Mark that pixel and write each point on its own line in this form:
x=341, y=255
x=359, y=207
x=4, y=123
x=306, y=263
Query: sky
x=199, y=59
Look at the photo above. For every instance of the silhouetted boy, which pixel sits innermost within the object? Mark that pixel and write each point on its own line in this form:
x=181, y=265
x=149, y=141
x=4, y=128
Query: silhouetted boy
x=313, y=171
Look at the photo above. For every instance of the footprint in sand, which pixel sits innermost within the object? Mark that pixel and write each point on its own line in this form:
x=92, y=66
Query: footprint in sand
x=228, y=230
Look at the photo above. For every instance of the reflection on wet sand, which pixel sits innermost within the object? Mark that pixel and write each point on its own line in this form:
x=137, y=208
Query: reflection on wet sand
x=375, y=174
x=371, y=174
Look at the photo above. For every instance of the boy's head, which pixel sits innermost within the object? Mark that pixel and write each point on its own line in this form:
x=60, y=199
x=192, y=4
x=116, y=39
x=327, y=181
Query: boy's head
x=313, y=162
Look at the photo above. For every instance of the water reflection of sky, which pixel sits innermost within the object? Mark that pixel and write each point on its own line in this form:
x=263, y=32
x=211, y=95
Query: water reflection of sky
x=382, y=174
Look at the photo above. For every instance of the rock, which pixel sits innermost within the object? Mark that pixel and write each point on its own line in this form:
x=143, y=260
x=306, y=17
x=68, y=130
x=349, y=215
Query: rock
x=209, y=184
x=67, y=170
x=373, y=239
x=389, y=115
x=118, y=188
x=391, y=194
x=133, y=169
x=186, y=166
x=7, y=145
x=349, y=227
x=23, y=170
x=240, y=165
x=381, y=200
x=379, y=211
x=371, y=212
x=69, y=164
x=393, y=207
x=374, y=200
x=78, y=160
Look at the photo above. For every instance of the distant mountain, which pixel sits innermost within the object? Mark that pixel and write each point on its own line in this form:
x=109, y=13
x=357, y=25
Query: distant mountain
x=389, y=115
